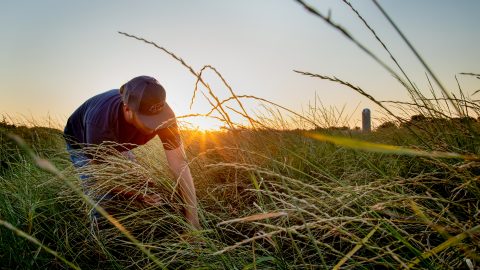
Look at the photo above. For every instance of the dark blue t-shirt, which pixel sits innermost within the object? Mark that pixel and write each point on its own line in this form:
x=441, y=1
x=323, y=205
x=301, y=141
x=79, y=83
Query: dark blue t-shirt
x=100, y=119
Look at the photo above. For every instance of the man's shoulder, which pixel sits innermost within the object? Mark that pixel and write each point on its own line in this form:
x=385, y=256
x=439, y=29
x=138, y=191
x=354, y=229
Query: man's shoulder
x=98, y=108
x=102, y=102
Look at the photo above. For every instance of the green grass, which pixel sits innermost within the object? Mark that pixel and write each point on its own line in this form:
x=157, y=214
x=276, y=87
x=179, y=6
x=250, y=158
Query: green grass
x=333, y=198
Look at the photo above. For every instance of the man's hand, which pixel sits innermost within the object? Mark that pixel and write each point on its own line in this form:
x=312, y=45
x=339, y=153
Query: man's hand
x=152, y=200
x=192, y=217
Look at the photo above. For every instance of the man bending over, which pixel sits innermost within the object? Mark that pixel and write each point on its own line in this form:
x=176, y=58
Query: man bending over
x=131, y=116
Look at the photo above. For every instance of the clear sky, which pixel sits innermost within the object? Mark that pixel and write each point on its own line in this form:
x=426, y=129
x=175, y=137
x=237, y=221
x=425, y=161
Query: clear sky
x=55, y=54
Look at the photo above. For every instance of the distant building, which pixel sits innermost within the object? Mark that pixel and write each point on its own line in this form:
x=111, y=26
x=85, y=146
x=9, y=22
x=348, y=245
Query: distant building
x=366, y=120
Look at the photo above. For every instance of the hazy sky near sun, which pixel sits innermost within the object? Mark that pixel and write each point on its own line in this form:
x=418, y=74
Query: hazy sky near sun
x=56, y=54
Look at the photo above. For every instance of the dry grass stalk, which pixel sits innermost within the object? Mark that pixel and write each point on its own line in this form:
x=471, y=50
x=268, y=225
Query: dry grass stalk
x=254, y=218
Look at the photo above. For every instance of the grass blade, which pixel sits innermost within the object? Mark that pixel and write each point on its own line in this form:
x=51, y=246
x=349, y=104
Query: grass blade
x=254, y=217
x=356, y=248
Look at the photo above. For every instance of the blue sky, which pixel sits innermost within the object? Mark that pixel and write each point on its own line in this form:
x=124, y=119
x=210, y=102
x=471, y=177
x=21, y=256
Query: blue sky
x=55, y=54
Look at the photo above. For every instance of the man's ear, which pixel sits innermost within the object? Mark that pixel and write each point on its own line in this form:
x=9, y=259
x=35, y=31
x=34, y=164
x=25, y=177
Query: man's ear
x=127, y=113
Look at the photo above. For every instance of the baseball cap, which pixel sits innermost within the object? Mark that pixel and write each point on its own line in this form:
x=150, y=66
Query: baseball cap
x=147, y=98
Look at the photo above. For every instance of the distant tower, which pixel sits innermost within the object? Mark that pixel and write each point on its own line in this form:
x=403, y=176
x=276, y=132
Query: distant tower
x=366, y=120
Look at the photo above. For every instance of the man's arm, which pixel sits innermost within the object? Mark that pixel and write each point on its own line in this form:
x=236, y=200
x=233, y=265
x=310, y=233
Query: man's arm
x=179, y=166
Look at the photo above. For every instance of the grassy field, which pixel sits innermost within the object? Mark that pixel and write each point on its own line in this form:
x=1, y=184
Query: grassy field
x=406, y=195
x=304, y=203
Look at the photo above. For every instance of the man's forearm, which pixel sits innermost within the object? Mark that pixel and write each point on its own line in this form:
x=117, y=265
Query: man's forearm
x=181, y=171
x=187, y=191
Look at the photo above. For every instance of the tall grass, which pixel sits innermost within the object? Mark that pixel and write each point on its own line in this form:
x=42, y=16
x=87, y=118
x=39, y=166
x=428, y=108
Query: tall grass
x=404, y=196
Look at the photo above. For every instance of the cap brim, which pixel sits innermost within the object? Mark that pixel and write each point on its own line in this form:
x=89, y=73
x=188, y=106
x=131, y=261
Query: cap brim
x=163, y=119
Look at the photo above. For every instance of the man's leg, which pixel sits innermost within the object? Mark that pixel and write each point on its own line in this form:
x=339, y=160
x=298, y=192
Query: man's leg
x=80, y=160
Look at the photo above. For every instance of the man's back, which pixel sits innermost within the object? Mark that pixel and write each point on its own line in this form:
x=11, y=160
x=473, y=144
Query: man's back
x=100, y=119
